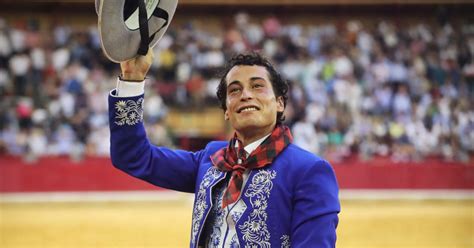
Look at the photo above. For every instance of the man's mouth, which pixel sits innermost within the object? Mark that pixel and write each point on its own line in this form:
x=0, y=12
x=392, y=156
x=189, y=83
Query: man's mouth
x=247, y=109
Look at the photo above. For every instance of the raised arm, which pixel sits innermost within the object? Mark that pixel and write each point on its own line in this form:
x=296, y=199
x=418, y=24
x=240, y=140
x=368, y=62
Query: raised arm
x=130, y=149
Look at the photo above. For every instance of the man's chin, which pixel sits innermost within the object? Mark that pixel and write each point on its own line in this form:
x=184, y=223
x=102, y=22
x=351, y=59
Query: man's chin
x=246, y=127
x=249, y=127
x=243, y=126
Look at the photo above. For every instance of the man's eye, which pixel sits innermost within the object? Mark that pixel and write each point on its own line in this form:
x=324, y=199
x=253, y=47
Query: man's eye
x=233, y=90
x=258, y=86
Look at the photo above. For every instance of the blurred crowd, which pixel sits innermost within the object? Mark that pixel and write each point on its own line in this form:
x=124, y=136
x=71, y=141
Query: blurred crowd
x=403, y=91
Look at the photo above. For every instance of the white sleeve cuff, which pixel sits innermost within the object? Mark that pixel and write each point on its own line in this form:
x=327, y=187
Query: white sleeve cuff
x=128, y=89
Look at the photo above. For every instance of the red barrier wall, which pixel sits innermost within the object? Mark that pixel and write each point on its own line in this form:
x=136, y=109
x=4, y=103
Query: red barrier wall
x=61, y=174
x=381, y=173
x=98, y=174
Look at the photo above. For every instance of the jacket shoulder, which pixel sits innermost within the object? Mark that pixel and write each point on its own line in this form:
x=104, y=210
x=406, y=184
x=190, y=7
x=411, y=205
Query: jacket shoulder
x=214, y=146
x=297, y=156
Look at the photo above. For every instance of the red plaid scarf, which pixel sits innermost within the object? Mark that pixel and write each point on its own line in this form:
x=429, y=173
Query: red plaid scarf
x=226, y=159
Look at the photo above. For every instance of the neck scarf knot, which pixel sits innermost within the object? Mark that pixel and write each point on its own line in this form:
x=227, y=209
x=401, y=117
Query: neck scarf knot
x=233, y=159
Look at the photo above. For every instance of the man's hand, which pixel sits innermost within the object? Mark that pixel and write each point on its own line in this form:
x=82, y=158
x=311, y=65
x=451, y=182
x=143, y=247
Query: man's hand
x=136, y=69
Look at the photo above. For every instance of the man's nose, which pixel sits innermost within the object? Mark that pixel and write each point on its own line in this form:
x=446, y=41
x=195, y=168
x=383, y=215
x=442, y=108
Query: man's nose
x=246, y=94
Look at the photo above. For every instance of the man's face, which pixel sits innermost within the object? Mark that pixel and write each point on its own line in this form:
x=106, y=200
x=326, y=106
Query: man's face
x=251, y=102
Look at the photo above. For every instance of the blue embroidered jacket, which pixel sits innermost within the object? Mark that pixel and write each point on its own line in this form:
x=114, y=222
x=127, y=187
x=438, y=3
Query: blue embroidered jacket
x=292, y=201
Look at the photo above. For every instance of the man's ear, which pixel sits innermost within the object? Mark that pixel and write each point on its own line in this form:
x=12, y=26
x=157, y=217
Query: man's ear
x=280, y=104
x=226, y=115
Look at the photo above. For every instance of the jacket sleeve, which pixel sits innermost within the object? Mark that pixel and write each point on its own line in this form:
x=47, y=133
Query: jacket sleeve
x=132, y=153
x=314, y=217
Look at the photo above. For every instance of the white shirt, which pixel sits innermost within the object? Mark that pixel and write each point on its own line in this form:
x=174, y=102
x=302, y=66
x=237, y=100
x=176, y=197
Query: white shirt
x=252, y=146
x=129, y=89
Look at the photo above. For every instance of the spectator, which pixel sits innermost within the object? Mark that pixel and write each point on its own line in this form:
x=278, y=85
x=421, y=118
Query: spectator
x=19, y=66
x=403, y=91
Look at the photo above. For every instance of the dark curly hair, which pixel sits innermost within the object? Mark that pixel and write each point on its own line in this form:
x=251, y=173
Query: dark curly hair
x=280, y=86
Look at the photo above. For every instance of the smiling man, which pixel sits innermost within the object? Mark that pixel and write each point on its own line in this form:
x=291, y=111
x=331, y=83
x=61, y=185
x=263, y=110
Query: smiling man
x=256, y=190
x=250, y=102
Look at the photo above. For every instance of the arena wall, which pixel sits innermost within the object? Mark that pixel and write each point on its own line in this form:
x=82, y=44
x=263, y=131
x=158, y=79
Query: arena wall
x=60, y=174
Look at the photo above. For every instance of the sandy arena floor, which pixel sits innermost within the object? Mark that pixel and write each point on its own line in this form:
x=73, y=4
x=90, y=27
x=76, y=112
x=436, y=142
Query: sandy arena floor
x=167, y=224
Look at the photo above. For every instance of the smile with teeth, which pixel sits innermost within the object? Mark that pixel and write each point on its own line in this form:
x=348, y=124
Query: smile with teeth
x=247, y=109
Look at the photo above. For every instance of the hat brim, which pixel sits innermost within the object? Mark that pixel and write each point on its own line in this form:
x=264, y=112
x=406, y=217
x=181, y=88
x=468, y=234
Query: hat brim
x=119, y=42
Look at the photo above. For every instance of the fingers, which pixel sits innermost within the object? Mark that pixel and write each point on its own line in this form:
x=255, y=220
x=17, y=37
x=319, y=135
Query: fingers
x=145, y=62
x=150, y=55
x=137, y=68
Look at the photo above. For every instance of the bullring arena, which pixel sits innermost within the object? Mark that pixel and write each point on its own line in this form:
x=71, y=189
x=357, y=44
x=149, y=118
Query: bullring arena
x=431, y=223
x=130, y=213
x=398, y=187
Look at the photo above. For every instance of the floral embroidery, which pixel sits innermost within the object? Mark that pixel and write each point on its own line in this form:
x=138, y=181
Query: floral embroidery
x=236, y=215
x=223, y=221
x=215, y=237
x=218, y=214
x=234, y=243
x=285, y=241
x=254, y=230
x=200, y=204
x=129, y=112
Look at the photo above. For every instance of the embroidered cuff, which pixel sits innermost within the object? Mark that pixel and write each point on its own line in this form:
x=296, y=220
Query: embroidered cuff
x=128, y=112
x=129, y=88
x=125, y=111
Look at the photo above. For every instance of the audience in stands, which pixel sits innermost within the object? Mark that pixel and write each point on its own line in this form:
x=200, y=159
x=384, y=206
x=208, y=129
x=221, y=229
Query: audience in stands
x=383, y=90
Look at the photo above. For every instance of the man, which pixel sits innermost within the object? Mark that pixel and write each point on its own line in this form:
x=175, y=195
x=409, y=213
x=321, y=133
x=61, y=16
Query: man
x=258, y=189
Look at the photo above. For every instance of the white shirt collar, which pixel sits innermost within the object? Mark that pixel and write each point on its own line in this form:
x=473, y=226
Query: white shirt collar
x=252, y=146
